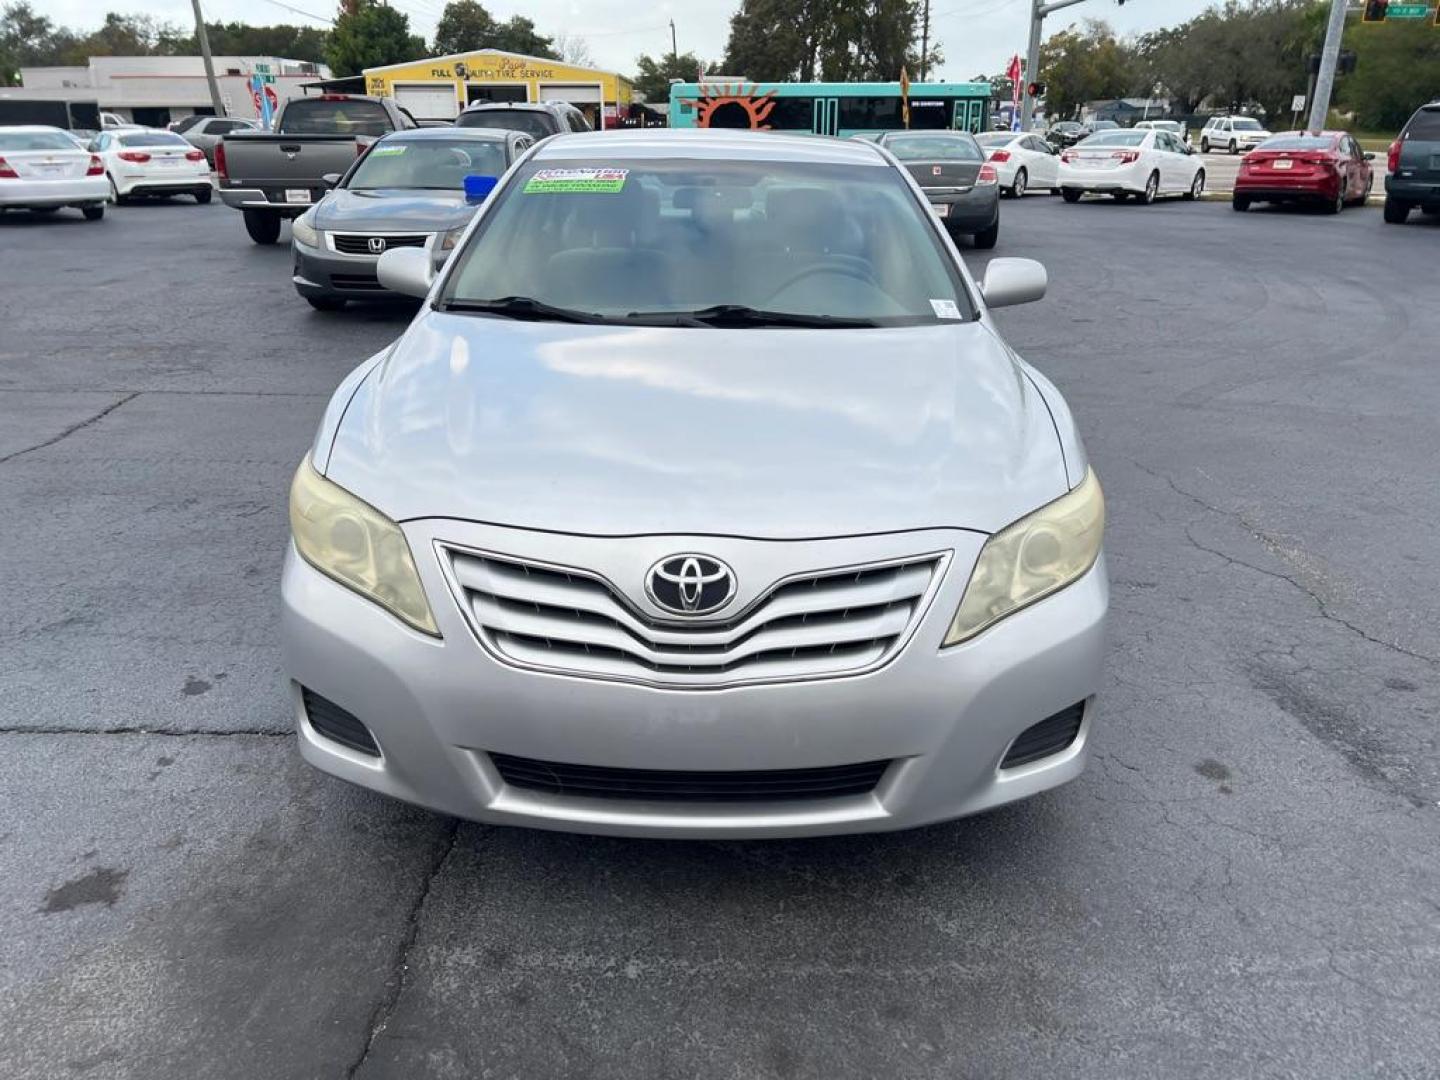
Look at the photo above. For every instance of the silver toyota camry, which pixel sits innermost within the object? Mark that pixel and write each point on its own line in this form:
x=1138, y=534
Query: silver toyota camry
x=701, y=498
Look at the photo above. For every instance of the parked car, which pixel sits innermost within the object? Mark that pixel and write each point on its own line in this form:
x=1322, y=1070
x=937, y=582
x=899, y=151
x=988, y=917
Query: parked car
x=271, y=176
x=1323, y=167
x=950, y=167
x=1131, y=164
x=1175, y=127
x=1233, y=134
x=538, y=119
x=205, y=134
x=731, y=418
x=151, y=163
x=1090, y=127
x=41, y=169
x=1021, y=161
x=1414, y=160
x=1064, y=133
x=407, y=191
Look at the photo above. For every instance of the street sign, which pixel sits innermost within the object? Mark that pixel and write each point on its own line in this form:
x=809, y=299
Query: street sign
x=1298, y=104
x=1407, y=11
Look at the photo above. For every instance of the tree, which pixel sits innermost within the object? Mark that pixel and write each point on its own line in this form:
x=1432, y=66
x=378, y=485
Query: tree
x=238, y=39
x=371, y=35
x=805, y=40
x=653, y=78
x=26, y=39
x=466, y=25
x=518, y=35
x=1397, y=67
x=573, y=49
x=1082, y=65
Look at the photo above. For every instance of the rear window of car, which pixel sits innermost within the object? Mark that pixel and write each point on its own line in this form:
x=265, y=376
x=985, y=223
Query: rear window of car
x=995, y=138
x=18, y=141
x=1115, y=138
x=536, y=124
x=430, y=164
x=151, y=138
x=1298, y=142
x=1104, y=125
x=1425, y=124
x=934, y=148
x=349, y=116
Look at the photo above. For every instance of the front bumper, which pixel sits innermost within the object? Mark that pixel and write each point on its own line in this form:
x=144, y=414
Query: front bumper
x=944, y=720
x=319, y=271
x=77, y=191
x=968, y=211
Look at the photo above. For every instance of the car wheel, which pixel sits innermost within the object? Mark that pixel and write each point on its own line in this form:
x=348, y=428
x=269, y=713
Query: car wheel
x=204, y=195
x=93, y=213
x=1364, y=196
x=1396, y=211
x=1233, y=148
x=1017, y=189
x=1070, y=194
x=985, y=239
x=1204, y=146
x=1335, y=205
x=1197, y=186
x=115, y=196
x=1152, y=188
x=1239, y=202
x=326, y=303
x=263, y=226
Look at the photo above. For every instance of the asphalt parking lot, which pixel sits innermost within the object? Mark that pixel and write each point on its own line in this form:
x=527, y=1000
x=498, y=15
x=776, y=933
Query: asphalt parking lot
x=1245, y=883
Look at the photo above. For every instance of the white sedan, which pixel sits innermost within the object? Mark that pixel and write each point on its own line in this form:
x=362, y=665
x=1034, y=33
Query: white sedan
x=144, y=162
x=41, y=169
x=1022, y=161
x=1143, y=164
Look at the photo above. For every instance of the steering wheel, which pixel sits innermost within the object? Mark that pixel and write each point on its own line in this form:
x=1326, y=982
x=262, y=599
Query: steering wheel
x=822, y=268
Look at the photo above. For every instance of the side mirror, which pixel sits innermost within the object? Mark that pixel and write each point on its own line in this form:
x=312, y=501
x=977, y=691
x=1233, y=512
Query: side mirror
x=1369, y=156
x=330, y=179
x=1007, y=282
x=407, y=270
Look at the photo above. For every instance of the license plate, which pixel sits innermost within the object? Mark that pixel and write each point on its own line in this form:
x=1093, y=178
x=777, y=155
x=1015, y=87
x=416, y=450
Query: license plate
x=940, y=209
x=300, y=195
x=1284, y=163
x=52, y=170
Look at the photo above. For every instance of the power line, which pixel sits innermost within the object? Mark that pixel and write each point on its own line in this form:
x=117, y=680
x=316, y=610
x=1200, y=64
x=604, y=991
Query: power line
x=297, y=11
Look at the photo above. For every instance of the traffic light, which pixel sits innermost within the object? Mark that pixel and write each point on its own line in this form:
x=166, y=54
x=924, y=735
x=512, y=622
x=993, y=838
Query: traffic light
x=1035, y=89
x=1375, y=10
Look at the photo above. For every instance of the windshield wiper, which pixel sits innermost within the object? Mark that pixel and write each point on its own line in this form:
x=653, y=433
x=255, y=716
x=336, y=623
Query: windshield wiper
x=521, y=307
x=723, y=315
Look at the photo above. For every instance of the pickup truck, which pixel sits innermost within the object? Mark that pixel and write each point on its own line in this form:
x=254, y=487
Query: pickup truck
x=270, y=175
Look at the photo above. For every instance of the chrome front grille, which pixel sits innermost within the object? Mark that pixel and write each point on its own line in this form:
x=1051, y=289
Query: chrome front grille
x=359, y=243
x=819, y=624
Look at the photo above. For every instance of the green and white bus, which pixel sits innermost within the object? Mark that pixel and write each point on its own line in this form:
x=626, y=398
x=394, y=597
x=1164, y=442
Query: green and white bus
x=828, y=108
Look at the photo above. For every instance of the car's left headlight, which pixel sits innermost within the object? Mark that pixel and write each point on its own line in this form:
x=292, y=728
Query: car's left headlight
x=449, y=239
x=352, y=542
x=303, y=230
x=1032, y=558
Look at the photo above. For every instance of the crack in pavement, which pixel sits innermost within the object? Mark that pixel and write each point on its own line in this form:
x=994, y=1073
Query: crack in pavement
x=396, y=982
x=72, y=429
x=172, y=733
x=1277, y=549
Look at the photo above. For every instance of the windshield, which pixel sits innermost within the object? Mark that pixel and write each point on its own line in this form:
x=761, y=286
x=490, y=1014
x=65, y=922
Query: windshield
x=152, y=138
x=326, y=116
x=535, y=124
x=1113, y=138
x=1103, y=125
x=955, y=147
x=186, y=124
x=656, y=240
x=1161, y=125
x=1246, y=125
x=16, y=141
x=1067, y=125
x=427, y=163
x=1298, y=142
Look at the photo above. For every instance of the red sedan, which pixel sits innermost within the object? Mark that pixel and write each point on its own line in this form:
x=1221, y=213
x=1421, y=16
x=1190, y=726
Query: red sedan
x=1324, y=167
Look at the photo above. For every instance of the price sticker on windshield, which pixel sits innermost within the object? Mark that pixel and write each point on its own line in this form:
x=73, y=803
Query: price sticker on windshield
x=574, y=181
x=389, y=151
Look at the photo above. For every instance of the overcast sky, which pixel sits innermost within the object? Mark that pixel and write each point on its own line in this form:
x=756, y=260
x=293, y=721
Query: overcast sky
x=977, y=35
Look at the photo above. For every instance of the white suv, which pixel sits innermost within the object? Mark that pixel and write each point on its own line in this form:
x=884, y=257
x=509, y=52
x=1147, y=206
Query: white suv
x=1232, y=133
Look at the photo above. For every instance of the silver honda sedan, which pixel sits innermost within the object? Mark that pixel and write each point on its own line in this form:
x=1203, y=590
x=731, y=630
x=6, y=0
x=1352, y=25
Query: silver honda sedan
x=701, y=498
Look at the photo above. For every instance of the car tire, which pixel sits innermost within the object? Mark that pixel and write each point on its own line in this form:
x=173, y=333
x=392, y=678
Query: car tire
x=204, y=195
x=93, y=213
x=326, y=303
x=1335, y=205
x=1204, y=146
x=1233, y=148
x=985, y=238
x=1152, y=188
x=1396, y=211
x=1364, y=196
x=1017, y=189
x=1070, y=194
x=263, y=226
x=1240, y=203
x=1197, y=186
x=115, y=196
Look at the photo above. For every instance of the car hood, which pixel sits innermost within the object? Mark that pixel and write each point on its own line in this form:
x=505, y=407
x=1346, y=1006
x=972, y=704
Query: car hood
x=611, y=430
x=393, y=209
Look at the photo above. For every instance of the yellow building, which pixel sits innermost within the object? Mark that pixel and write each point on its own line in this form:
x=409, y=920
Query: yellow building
x=438, y=88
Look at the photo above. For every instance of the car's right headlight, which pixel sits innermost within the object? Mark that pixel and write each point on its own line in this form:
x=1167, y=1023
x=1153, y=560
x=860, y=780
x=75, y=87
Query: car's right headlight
x=303, y=230
x=358, y=546
x=1030, y=559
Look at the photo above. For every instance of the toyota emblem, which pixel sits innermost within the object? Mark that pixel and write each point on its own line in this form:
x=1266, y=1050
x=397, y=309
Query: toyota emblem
x=936, y=170
x=377, y=245
x=690, y=584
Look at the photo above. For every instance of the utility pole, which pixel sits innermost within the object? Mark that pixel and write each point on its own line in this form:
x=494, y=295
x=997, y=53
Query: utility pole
x=925, y=43
x=204, y=39
x=674, y=49
x=1329, y=57
x=1038, y=11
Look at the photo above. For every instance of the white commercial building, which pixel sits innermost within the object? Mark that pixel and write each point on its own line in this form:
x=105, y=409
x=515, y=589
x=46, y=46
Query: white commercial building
x=149, y=90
